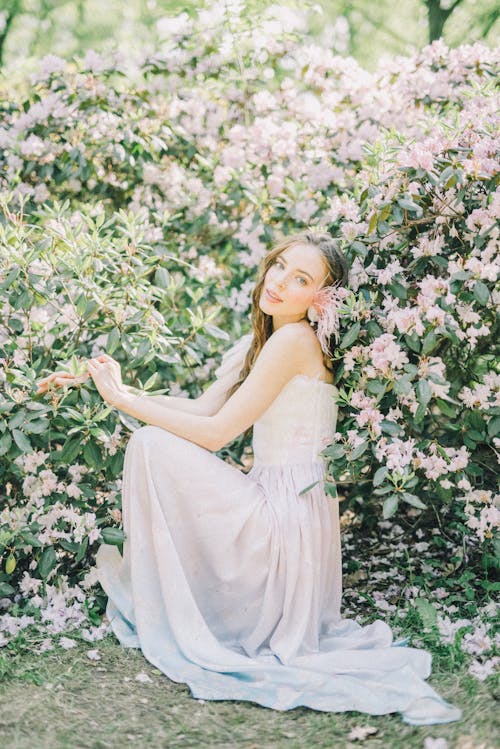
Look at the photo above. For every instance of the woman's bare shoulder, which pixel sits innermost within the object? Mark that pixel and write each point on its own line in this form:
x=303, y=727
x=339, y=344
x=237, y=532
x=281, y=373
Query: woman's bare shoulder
x=299, y=333
x=305, y=341
x=297, y=337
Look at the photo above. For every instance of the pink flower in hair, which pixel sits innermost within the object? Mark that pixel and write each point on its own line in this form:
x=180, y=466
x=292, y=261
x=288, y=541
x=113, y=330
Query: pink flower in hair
x=326, y=302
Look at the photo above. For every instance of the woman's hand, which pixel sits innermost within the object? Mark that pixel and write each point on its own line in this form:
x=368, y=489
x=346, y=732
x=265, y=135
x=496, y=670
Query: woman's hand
x=59, y=379
x=107, y=376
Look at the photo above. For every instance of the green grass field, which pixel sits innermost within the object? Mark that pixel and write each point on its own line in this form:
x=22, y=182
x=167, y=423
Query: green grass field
x=61, y=699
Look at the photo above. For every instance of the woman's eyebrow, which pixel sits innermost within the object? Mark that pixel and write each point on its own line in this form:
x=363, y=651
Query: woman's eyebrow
x=300, y=271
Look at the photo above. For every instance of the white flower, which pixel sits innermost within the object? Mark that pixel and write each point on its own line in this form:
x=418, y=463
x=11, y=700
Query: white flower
x=431, y=743
x=144, y=678
x=45, y=645
x=361, y=732
x=482, y=670
x=67, y=643
x=93, y=655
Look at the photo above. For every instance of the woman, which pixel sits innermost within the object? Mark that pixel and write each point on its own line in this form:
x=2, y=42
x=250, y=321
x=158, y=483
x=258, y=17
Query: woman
x=231, y=583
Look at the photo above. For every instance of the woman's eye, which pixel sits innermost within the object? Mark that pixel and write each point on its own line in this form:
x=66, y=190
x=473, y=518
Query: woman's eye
x=302, y=281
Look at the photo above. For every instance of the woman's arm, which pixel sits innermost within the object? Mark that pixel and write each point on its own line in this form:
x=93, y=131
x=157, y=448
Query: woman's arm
x=284, y=355
x=207, y=404
x=212, y=399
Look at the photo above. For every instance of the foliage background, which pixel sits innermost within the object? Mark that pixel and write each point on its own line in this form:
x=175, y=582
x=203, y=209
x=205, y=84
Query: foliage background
x=365, y=30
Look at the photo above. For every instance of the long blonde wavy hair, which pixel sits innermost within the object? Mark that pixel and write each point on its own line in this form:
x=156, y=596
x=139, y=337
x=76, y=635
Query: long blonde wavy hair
x=262, y=323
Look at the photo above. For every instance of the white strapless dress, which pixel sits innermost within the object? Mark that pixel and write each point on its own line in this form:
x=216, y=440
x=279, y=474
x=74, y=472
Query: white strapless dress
x=231, y=583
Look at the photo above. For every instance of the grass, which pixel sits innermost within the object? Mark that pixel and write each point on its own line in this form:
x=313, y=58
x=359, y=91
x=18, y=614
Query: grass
x=62, y=700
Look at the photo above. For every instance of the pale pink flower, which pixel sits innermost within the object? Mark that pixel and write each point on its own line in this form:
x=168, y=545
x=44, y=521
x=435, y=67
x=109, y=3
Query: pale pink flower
x=478, y=641
x=482, y=670
x=67, y=643
x=73, y=491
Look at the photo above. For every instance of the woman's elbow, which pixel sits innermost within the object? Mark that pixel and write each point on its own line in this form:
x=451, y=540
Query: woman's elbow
x=219, y=435
x=215, y=443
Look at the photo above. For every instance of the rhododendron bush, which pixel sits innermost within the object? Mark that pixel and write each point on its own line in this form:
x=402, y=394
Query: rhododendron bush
x=135, y=209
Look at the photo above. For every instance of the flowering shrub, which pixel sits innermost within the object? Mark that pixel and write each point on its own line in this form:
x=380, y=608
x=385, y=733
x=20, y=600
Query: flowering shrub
x=135, y=211
x=418, y=362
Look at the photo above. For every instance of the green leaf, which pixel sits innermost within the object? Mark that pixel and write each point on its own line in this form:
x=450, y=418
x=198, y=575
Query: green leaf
x=162, y=278
x=398, y=290
x=331, y=489
x=373, y=223
x=150, y=383
x=379, y=491
x=71, y=546
x=413, y=342
x=461, y=275
x=38, y=426
x=7, y=283
x=113, y=341
x=217, y=332
x=71, y=448
x=481, y=293
x=359, y=450
x=6, y=589
x=47, y=561
x=419, y=414
x=17, y=419
x=494, y=426
x=424, y=391
x=22, y=441
x=82, y=549
x=446, y=408
x=475, y=435
x=476, y=420
x=426, y=612
x=92, y=455
x=31, y=539
x=10, y=564
x=446, y=174
x=334, y=451
x=380, y=475
x=112, y=535
x=5, y=443
x=81, y=304
x=390, y=506
x=376, y=387
x=390, y=427
x=402, y=386
x=142, y=349
x=351, y=335
x=413, y=500
x=409, y=205
x=429, y=342
x=129, y=421
x=304, y=491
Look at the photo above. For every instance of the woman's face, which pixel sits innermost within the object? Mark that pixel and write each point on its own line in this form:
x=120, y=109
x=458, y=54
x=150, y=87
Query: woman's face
x=290, y=282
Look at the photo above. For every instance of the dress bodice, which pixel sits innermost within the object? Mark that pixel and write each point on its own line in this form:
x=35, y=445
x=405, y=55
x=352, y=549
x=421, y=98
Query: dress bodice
x=300, y=421
x=298, y=424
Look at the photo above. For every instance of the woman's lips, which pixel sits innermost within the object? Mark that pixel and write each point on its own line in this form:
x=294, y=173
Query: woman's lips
x=271, y=297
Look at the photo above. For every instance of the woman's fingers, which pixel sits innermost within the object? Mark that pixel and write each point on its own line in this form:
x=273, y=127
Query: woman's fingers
x=55, y=378
x=107, y=358
x=58, y=379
